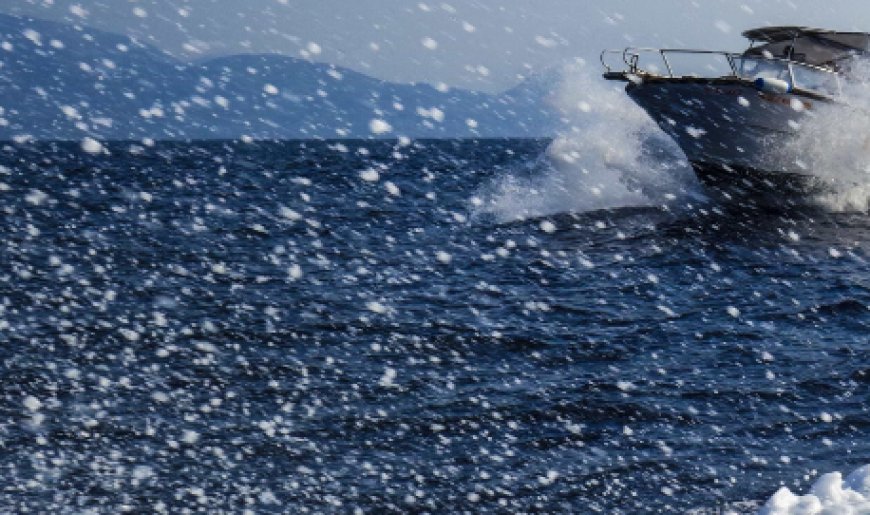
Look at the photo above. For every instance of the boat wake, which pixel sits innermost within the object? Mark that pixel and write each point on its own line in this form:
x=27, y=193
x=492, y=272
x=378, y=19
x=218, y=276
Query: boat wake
x=609, y=155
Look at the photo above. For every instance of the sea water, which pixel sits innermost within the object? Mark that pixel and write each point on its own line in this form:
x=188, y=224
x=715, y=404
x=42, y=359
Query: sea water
x=416, y=326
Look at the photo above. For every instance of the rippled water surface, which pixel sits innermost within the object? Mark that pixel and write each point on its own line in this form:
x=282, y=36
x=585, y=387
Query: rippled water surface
x=335, y=326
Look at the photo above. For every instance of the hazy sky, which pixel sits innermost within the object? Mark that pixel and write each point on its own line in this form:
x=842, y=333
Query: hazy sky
x=478, y=44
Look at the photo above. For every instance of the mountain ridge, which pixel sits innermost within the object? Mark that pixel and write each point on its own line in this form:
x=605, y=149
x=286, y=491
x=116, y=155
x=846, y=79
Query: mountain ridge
x=61, y=81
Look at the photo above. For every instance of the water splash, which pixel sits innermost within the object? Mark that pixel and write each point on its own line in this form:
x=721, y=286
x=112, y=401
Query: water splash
x=610, y=155
x=833, y=144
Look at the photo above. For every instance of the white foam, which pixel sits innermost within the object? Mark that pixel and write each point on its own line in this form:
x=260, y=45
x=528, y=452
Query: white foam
x=604, y=159
x=829, y=494
x=833, y=144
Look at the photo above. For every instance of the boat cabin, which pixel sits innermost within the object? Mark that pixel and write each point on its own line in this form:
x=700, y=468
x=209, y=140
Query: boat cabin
x=799, y=58
x=817, y=47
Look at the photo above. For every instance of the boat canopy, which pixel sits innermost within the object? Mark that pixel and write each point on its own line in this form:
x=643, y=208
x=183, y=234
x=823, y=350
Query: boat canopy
x=818, y=47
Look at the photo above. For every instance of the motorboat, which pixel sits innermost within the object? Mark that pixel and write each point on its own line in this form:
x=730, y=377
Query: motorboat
x=737, y=116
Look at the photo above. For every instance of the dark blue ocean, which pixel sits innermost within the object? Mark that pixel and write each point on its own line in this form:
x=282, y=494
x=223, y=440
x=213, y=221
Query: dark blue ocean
x=341, y=327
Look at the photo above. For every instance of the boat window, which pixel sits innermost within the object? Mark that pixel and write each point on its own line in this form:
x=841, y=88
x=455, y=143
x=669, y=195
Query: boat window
x=755, y=68
x=815, y=80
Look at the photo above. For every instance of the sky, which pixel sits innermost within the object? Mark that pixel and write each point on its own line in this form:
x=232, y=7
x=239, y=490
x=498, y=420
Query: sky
x=487, y=45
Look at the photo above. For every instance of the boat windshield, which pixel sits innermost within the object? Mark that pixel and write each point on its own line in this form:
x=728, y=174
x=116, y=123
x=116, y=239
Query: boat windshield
x=803, y=76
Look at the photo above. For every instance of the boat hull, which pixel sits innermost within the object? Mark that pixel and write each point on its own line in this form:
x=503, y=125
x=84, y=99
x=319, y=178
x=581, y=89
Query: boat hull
x=737, y=139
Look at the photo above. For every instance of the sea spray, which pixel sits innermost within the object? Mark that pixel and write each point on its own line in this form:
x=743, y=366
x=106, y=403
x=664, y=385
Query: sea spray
x=610, y=154
x=833, y=144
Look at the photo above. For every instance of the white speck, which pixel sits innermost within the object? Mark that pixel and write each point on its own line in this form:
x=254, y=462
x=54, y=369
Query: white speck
x=473, y=497
x=548, y=226
x=471, y=123
x=32, y=403
x=797, y=105
x=733, y=311
x=742, y=101
x=667, y=311
x=388, y=377
x=834, y=253
x=139, y=12
x=378, y=126
x=429, y=43
x=289, y=214
x=467, y=27
x=36, y=197
x=78, y=10
x=221, y=101
x=92, y=146
x=546, y=42
x=826, y=417
x=376, y=307
x=392, y=189
x=551, y=477
x=625, y=385
x=723, y=26
x=369, y=175
x=695, y=132
x=433, y=113
x=160, y=319
x=443, y=257
x=189, y=437
x=141, y=472
x=129, y=334
x=313, y=48
x=267, y=497
x=33, y=36
x=270, y=89
x=294, y=272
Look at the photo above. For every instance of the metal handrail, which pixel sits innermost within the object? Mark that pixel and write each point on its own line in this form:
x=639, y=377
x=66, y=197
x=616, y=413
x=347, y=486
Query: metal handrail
x=608, y=51
x=631, y=57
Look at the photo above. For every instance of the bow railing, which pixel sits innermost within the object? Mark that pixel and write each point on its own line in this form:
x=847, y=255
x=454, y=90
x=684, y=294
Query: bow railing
x=799, y=74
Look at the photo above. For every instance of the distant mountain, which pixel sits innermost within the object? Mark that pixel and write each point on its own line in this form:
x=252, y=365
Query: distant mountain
x=67, y=82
